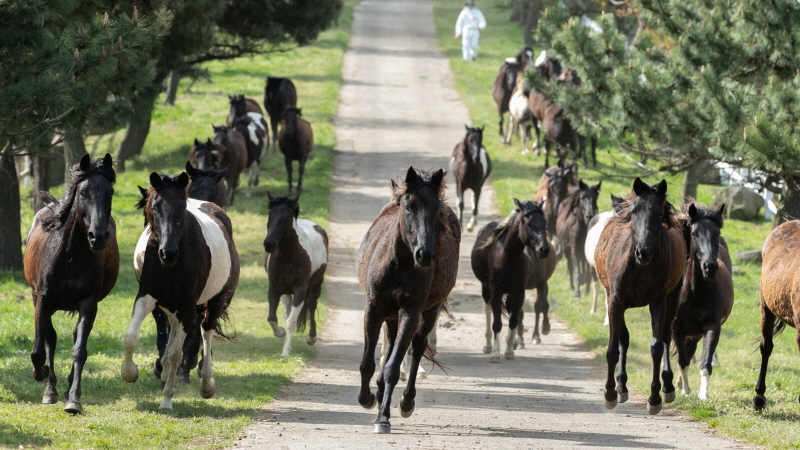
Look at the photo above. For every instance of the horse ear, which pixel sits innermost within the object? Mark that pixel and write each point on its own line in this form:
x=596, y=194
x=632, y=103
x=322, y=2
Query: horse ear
x=411, y=174
x=662, y=188
x=190, y=170
x=538, y=204
x=581, y=185
x=437, y=178
x=155, y=179
x=393, y=185
x=183, y=180
x=196, y=142
x=467, y=127
x=639, y=186
x=142, y=191
x=519, y=205
x=721, y=210
x=221, y=174
x=597, y=188
x=107, y=161
x=297, y=195
x=86, y=162
x=692, y=210
x=300, y=112
x=548, y=175
x=269, y=195
x=482, y=127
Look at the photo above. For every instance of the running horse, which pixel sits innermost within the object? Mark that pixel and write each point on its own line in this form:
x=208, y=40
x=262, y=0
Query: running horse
x=296, y=140
x=187, y=264
x=407, y=265
x=572, y=225
x=279, y=94
x=470, y=166
x=640, y=260
x=71, y=264
x=506, y=80
x=554, y=186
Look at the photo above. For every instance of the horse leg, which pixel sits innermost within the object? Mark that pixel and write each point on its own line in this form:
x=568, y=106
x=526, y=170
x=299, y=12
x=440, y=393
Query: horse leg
x=274, y=124
x=670, y=309
x=432, y=341
x=80, y=336
x=681, y=345
x=519, y=341
x=497, y=323
x=43, y=322
x=657, y=314
x=190, y=348
x=418, y=346
x=301, y=167
x=500, y=124
x=512, y=124
x=476, y=195
x=617, y=322
x=538, y=146
x=172, y=358
x=141, y=308
x=710, y=341
x=372, y=327
x=522, y=137
x=390, y=326
x=252, y=179
x=513, y=321
x=594, y=291
x=487, y=309
x=542, y=306
x=575, y=268
x=162, y=334
x=272, y=319
x=460, y=194
x=288, y=163
x=546, y=152
x=208, y=387
x=622, y=373
x=50, y=395
x=767, y=330
x=298, y=304
x=570, y=271
x=314, y=292
x=408, y=324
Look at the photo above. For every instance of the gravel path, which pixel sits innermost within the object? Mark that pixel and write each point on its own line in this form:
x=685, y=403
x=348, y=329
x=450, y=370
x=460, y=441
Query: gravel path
x=399, y=108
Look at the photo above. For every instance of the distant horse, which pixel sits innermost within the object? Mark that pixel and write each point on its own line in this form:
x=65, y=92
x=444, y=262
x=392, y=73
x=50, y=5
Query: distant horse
x=519, y=115
x=232, y=148
x=574, y=215
x=208, y=185
x=185, y=260
x=296, y=140
x=596, y=227
x=71, y=264
x=407, y=265
x=240, y=106
x=509, y=257
x=256, y=138
x=706, y=297
x=554, y=186
x=506, y=80
x=780, y=295
x=297, y=256
x=279, y=94
x=204, y=155
x=640, y=261
x=470, y=166
x=547, y=69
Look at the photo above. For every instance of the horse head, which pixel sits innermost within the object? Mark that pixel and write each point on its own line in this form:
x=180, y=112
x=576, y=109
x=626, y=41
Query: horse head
x=165, y=211
x=533, y=226
x=419, y=198
x=238, y=106
x=570, y=78
x=204, y=183
x=704, y=226
x=510, y=79
x=204, y=155
x=474, y=142
x=587, y=199
x=559, y=182
x=290, y=116
x=283, y=212
x=648, y=210
x=525, y=57
x=547, y=68
x=617, y=204
x=91, y=190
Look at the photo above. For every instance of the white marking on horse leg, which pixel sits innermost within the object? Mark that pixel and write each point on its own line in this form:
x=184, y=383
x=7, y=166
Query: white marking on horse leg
x=705, y=377
x=487, y=308
x=291, y=325
x=685, y=381
x=172, y=359
x=385, y=345
x=474, y=220
x=207, y=385
x=605, y=321
x=141, y=308
x=594, y=298
x=512, y=333
x=495, y=348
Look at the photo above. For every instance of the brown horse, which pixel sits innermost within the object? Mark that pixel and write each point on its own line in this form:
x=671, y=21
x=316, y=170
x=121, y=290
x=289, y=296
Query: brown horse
x=547, y=69
x=470, y=166
x=279, y=94
x=506, y=80
x=296, y=141
x=640, y=261
x=572, y=224
x=297, y=256
x=407, y=265
x=71, y=264
x=554, y=186
x=508, y=258
x=253, y=129
x=780, y=295
x=239, y=107
x=208, y=185
x=706, y=297
x=232, y=150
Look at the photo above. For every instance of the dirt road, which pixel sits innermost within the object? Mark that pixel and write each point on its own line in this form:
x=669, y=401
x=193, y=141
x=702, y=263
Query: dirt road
x=399, y=108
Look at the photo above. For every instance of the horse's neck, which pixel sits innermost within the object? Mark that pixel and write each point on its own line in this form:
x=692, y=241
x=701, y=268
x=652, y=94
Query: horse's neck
x=512, y=244
x=290, y=240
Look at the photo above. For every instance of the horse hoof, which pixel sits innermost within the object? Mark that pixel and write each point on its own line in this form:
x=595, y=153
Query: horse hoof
x=183, y=379
x=487, y=349
x=130, y=375
x=494, y=359
x=406, y=414
x=536, y=340
x=311, y=340
x=610, y=404
x=653, y=409
x=157, y=369
x=382, y=428
x=470, y=228
x=623, y=397
x=73, y=408
x=546, y=328
x=165, y=404
x=510, y=356
x=208, y=388
x=50, y=399
x=759, y=402
x=519, y=345
x=43, y=373
x=669, y=397
x=422, y=375
x=280, y=332
x=372, y=402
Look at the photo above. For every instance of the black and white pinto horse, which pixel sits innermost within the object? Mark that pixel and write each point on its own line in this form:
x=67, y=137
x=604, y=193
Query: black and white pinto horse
x=186, y=263
x=254, y=129
x=297, y=256
x=470, y=165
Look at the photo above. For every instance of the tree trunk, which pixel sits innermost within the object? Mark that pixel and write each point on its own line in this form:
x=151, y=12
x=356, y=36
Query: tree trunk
x=172, y=88
x=790, y=201
x=41, y=175
x=531, y=22
x=137, y=129
x=691, y=181
x=10, y=244
x=516, y=11
x=74, y=149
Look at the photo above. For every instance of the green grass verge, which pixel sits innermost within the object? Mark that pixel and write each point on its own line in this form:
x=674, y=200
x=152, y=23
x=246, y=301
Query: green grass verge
x=248, y=370
x=730, y=411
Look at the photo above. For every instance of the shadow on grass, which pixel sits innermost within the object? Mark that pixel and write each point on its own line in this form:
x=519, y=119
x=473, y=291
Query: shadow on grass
x=161, y=162
x=11, y=437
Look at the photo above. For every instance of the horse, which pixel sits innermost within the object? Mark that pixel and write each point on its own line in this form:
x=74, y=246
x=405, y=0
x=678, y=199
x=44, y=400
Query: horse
x=407, y=265
x=554, y=186
x=232, y=148
x=470, y=166
x=574, y=215
x=297, y=256
x=186, y=263
x=71, y=263
x=519, y=115
x=547, y=69
x=296, y=140
x=780, y=295
x=640, y=261
x=596, y=227
x=706, y=296
x=506, y=80
x=256, y=138
x=279, y=94
x=208, y=185
x=509, y=257
x=240, y=106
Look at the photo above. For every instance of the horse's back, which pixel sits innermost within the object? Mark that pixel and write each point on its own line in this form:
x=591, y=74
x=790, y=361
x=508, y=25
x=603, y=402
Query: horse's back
x=252, y=106
x=479, y=259
x=780, y=284
x=215, y=227
x=314, y=241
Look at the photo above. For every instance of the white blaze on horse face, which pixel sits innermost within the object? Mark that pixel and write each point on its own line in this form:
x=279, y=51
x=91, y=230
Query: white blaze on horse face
x=540, y=59
x=484, y=158
x=312, y=243
x=291, y=326
x=215, y=240
x=138, y=253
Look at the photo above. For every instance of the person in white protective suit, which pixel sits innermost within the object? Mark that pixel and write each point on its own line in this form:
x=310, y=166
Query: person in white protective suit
x=468, y=27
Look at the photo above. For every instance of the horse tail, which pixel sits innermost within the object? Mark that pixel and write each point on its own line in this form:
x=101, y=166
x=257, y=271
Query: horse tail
x=777, y=329
x=430, y=355
x=302, y=318
x=219, y=332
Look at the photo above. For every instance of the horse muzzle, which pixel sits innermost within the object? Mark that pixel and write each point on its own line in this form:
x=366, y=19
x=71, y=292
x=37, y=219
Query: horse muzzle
x=97, y=240
x=424, y=258
x=644, y=255
x=543, y=251
x=168, y=257
x=709, y=270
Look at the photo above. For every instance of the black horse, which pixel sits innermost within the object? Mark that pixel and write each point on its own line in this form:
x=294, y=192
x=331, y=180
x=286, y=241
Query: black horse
x=470, y=165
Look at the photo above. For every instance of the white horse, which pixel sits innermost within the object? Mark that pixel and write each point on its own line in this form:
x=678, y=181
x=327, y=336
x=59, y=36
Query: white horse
x=518, y=114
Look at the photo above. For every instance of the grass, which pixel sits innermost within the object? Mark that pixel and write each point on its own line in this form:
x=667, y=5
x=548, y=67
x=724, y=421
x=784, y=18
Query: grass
x=730, y=409
x=248, y=370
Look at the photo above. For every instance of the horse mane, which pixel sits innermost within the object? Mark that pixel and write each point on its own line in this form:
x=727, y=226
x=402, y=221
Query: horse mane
x=144, y=202
x=668, y=218
x=291, y=203
x=501, y=229
x=574, y=199
x=62, y=208
x=703, y=213
x=402, y=188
